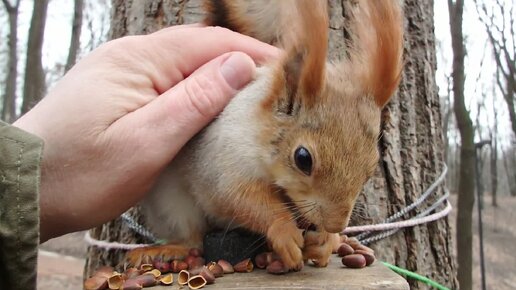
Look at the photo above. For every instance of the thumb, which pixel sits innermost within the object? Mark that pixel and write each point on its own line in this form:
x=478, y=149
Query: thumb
x=182, y=111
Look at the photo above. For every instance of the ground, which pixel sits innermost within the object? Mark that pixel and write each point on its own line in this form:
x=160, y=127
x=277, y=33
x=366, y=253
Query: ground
x=61, y=260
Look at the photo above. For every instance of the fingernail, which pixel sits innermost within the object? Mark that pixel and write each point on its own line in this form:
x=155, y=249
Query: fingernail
x=237, y=70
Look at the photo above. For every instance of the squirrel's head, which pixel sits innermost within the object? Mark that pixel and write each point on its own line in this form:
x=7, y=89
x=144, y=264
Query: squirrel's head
x=326, y=118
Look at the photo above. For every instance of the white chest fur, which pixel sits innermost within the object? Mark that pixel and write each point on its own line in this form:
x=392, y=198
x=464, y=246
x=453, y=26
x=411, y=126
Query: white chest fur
x=225, y=152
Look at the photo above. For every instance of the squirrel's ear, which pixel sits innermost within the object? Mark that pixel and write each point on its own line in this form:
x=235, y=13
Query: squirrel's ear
x=377, y=47
x=301, y=74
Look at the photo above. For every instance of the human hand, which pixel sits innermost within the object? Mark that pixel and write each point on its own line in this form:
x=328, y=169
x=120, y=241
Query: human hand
x=118, y=117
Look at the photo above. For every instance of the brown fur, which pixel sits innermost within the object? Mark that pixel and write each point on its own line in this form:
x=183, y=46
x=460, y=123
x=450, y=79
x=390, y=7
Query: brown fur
x=333, y=110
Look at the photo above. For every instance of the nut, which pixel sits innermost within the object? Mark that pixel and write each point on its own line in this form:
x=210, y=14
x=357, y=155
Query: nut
x=277, y=267
x=131, y=273
x=196, y=262
x=177, y=265
x=146, y=267
x=226, y=266
x=146, y=280
x=196, y=282
x=244, y=266
x=196, y=252
x=216, y=269
x=354, y=261
x=183, y=277
x=367, y=255
x=99, y=279
x=115, y=281
x=153, y=272
x=96, y=283
x=163, y=267
x=344, y=250
x=131, y=284
x=365, y=248
x=166, y=279
x=207, y=275
x=262, y=260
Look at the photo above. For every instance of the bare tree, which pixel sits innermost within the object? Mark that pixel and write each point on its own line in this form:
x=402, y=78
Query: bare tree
x=75, y=41
x=499, y=21
x=467, y=149
x=9, y=97
x=493, y=134
x=34, y=86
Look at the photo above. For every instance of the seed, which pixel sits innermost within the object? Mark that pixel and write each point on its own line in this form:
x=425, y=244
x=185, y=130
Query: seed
x=196, y=262
x=365, y=248
x=153, y=272
x=367, y=255
x=96, y=283
x=177, y=265
x=226, y=266
x=277, y=267
x=166, y=279
x=207, y=275
x=182, y=278
x=344, y=250
x=196, y=252
x=147, y=280
x=146, y=259
x=244, y=266
x=131, y=284
x=216, y=269
x=354, y=261
x=115, y=281
x=131, y=273
x=188, y=260
x=146, y=267
x=99, y=280
x=163, y=267
x=196, y=282
x=262, y=260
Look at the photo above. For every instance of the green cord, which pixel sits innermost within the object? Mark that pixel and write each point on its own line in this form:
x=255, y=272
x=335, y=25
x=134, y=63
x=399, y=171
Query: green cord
x=416, y=276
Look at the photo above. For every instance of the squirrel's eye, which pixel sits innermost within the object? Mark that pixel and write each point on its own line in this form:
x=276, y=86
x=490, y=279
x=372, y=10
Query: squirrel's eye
x=303, y=160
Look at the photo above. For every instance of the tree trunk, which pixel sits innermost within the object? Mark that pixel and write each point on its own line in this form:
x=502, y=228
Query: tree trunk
x=467, y=149
x=75, y=40
x=411, y=146
x=9, y=98
x=34, y=85
x=510, y=170
x=494, y=171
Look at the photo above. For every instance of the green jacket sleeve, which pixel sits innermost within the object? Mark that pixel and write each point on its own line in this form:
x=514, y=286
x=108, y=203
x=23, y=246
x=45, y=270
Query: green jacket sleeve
x=20, y=154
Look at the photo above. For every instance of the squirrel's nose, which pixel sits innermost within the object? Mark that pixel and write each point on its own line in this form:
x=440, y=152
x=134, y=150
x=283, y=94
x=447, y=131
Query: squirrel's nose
x=335, y=222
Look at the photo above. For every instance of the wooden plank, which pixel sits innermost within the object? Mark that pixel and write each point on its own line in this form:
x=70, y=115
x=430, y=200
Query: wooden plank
x=335, y=276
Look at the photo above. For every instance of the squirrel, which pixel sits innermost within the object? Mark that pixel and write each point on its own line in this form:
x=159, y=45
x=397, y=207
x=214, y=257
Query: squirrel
x=293, y=149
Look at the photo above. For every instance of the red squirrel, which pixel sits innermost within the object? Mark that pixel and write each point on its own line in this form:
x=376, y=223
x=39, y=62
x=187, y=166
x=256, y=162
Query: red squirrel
x=293, y=148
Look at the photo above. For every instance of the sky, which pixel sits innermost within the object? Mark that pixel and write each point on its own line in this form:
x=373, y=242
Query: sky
x=479, y=73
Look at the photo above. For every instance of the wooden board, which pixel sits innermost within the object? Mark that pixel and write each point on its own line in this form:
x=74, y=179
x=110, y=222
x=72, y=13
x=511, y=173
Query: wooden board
x=335, y=276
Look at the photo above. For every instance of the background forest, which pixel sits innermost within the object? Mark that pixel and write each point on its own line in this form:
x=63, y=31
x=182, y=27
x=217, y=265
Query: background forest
x=40, y=40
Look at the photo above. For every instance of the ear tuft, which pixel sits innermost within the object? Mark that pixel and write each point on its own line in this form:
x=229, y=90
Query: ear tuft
x=377, y=48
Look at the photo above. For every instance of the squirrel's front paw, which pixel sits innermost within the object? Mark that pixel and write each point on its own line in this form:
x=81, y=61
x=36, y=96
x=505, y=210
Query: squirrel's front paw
x=319, y=246
x=287, y=241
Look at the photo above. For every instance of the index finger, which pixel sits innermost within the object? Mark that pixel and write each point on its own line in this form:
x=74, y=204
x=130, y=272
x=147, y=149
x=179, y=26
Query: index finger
x=176, y=53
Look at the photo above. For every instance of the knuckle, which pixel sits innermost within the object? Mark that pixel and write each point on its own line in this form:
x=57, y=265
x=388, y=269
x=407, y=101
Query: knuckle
x=200, y=96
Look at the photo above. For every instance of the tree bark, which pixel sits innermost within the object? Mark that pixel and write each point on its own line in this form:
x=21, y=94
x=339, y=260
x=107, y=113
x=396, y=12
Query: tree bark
x=75, y=40
x=411, y=146
x=9, y=98
x=34, y=86
x=494, y=172
x=467, y=149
